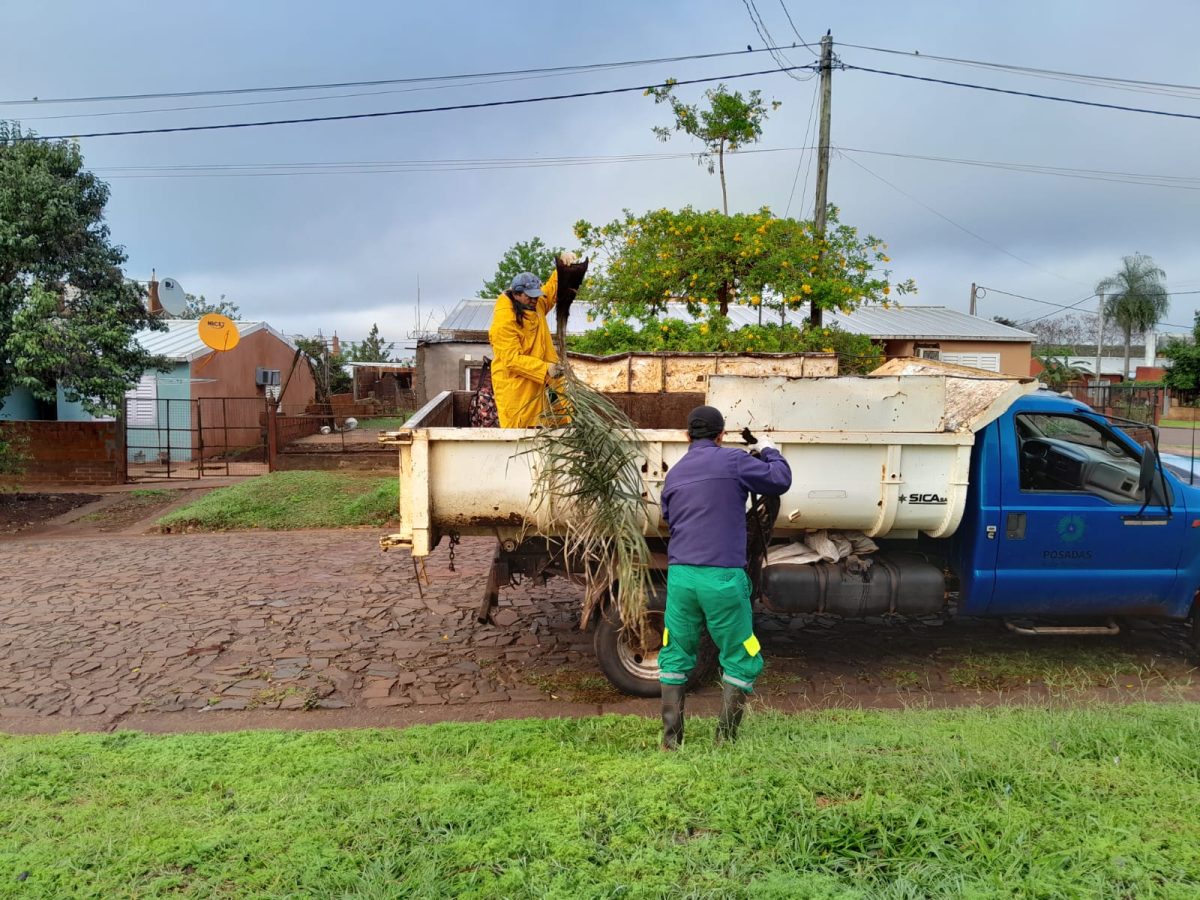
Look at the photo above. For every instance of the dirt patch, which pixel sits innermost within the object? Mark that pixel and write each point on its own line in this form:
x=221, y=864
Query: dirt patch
x=134, y=507
x=21, y=511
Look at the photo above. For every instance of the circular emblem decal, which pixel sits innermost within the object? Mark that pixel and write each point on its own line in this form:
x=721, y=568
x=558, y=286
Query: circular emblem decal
x=1070, y=528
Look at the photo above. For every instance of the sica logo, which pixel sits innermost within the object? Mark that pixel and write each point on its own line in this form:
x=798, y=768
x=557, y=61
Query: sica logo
x=1070, y=528
x=924, y=499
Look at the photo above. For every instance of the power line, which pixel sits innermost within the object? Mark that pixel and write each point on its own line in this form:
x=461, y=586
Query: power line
x=1060, y=307
x=803, y=42
x=812, y=114
x=339, y=85
x=1014, y=93
x=1183, y=182
x=383, y=167
x=317, y=99
x=760, y=25
x=946, y=218
x=1162, y=87
x=405, y=112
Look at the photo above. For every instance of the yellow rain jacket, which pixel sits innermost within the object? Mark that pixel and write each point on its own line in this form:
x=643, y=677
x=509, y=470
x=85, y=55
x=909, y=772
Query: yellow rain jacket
x=521, y=355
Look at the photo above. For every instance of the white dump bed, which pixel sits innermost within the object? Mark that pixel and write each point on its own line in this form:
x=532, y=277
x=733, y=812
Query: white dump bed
x=883, y=454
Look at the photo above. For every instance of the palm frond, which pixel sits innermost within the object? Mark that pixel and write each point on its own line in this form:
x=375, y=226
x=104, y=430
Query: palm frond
x=587, y=489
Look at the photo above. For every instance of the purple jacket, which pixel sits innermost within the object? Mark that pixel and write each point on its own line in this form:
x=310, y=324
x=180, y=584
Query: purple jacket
x=704, y=501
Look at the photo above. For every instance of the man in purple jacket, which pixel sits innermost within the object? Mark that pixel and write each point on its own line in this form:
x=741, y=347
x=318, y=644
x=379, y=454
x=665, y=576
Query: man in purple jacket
x=704, y=503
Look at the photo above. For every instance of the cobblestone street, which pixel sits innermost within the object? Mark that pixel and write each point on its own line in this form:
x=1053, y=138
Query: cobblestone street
x=319, y=628
x=324, y=620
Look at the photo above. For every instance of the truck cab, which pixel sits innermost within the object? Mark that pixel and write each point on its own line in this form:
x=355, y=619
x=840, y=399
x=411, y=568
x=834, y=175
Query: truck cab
x=1069, y=516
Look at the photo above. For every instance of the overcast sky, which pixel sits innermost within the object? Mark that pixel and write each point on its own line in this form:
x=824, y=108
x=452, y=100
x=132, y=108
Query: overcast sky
x=339, y=251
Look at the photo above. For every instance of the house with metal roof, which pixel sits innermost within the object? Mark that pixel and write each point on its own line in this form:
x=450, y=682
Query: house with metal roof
x=203, y=401
x=937, y=332
x=208, y=399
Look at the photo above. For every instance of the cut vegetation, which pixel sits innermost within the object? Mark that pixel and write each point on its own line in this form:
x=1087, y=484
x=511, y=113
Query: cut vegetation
x=1096, y=802
x=285, y=500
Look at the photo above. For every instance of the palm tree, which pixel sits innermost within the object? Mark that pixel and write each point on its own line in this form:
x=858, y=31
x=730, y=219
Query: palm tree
x=1135, y=297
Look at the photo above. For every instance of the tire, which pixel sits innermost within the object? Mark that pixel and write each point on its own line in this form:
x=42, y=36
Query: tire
x=633, y=669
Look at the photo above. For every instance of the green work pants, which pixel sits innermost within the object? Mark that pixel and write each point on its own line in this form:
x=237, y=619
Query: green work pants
x=719, y=598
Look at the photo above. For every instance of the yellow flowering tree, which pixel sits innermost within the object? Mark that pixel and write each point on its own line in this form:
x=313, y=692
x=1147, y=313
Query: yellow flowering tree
x=710, y=261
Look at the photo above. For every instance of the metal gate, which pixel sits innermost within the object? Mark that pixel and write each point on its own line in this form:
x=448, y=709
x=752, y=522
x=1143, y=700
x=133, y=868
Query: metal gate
x=195, y=438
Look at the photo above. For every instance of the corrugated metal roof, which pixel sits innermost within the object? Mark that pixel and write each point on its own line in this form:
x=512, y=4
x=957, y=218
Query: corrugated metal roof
x=476, y=315
x=181, y=341
x=924, y=323
x=902, y=323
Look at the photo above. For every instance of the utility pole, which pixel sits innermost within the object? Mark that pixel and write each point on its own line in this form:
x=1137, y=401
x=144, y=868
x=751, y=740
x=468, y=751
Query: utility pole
x=1099, y=351
x=974, y=297
x=814, y=312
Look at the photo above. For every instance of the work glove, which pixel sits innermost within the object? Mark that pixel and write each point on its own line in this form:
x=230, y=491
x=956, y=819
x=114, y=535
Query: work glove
x=567, y=258
x=554, y=372
x=755, y=443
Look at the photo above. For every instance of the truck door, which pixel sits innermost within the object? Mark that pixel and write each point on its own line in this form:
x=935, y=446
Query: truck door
x=1073, y=536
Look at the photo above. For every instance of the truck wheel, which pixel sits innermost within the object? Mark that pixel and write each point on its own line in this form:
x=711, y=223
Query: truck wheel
x=632, y=666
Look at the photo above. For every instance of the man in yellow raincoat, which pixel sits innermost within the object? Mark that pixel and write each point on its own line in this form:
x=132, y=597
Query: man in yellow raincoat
x=524, y=359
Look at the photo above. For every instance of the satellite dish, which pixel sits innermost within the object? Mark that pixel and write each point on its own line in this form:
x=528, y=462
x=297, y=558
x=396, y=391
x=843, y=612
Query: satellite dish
x=172, y=297
x=218, y=332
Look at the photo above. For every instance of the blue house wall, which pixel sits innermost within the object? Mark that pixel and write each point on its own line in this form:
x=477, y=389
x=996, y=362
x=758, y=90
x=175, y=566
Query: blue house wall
x=18, y=405
x=172, y=421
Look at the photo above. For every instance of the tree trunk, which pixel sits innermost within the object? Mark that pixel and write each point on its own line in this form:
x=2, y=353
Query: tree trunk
x=721, y=163
x=1125, y=368
x=723, y=298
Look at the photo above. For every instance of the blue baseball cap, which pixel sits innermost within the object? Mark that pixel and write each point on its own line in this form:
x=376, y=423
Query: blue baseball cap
x=528, y=284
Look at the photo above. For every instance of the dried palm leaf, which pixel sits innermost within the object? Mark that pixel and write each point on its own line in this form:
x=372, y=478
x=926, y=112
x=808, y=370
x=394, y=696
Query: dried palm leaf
x=587, y=487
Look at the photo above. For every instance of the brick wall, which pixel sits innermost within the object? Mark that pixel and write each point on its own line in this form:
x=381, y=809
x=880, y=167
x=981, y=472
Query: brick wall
x=70, y=452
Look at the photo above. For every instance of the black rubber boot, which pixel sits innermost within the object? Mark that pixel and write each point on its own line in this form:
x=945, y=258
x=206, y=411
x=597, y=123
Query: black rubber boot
x=672, y=715
x=733, y=707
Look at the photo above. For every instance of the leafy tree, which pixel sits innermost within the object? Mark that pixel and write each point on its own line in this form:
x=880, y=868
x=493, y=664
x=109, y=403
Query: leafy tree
x=524, y=256
x=326, y=367
x=711, y=261
x=373, y=349
x=730, y=122
x=67, y=313
x=1057, y=370
x=1073, y=329
x=1183, y=355
x=198, y=307
x=1135, y=297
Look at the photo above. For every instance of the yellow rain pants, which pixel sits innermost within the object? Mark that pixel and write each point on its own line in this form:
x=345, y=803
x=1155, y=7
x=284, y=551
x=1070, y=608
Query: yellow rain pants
x=521, y=354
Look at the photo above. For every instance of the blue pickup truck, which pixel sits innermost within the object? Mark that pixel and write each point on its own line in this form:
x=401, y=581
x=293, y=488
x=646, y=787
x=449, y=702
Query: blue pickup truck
x=1024, y=504
x=1071, y=523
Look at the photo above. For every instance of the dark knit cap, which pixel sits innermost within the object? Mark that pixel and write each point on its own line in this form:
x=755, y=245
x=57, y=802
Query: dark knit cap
x=705, y=422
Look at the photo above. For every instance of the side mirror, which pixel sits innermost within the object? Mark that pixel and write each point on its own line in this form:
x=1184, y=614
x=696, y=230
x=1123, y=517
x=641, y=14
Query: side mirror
x=1148, y=470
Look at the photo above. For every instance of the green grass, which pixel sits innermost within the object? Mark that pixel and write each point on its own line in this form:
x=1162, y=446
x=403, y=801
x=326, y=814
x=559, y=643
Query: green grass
x=285, y=500
x=1059, y=669
x=1084, y=802
x=383, y=423
x=132, y=500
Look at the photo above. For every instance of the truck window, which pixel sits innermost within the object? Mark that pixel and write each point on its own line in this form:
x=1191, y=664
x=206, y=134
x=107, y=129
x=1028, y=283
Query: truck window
x=1070, y=453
